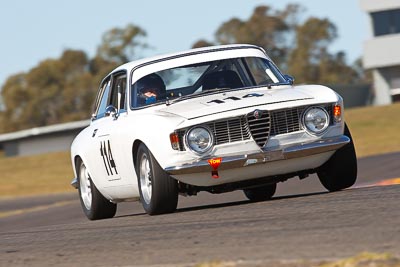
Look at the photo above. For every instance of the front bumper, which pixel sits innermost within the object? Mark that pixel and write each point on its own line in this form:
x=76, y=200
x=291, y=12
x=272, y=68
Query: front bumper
x=280, y=153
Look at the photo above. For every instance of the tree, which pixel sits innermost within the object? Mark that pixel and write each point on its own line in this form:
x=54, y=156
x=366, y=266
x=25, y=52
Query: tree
x=15, y=96
x=63, y=89
x=47, y=94
x=310, y=60
x=119, y=44
x=266, y=27
x=201, y=43
x=299, y=48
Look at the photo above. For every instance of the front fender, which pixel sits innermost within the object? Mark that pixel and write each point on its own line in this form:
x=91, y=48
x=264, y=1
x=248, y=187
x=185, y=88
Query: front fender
x=154, y=131
x=81, y=149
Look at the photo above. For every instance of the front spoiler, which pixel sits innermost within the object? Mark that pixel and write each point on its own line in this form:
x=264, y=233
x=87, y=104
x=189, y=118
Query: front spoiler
x=281, y=153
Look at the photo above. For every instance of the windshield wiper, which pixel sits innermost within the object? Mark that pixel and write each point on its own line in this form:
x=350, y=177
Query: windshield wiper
x=269, y=85
x=180, y=98
x=206, y=92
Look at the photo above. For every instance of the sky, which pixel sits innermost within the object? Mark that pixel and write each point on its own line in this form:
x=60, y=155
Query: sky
x=33, y=31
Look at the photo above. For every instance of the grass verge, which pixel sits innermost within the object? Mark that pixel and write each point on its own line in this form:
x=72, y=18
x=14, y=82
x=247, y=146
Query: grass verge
x=33, y=175
x=375, y=130
x=365, y=259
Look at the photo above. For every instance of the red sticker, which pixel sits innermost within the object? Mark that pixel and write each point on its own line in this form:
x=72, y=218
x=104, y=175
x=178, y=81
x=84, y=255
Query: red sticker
x=214, y=163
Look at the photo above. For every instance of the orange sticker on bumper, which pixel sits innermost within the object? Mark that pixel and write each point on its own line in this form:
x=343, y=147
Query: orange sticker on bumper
x=214, y=163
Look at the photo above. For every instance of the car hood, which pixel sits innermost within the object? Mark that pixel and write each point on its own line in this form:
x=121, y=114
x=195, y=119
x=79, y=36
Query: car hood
x=222, y=102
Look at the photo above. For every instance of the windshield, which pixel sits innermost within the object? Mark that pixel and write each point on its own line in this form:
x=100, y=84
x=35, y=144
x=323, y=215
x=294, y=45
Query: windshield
x=202, y=78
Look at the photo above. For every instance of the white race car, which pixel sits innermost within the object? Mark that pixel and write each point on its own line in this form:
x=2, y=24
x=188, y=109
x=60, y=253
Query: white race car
x=212, y=119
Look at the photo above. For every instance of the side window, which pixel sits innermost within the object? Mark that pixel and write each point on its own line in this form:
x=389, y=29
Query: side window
x=112, y=92
x=263, y=71
x=118, y=93
x=103, y=101
x=257, y=69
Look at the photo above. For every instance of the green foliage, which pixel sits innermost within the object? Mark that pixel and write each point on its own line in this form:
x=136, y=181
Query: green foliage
x=119, y=44
x=266, y=27
x=310, y=61
x=201, y=43
x=300, y=49
x=63, y=89
x=51, y=92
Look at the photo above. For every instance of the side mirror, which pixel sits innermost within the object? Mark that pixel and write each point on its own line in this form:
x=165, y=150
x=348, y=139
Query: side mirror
x=289, y=78
x=111, y=111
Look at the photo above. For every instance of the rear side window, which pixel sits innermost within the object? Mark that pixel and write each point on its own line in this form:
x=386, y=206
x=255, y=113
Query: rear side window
x=118, y=92
x=103, y=100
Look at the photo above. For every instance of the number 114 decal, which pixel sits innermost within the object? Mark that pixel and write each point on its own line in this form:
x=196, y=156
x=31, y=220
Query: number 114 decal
x=108, y=160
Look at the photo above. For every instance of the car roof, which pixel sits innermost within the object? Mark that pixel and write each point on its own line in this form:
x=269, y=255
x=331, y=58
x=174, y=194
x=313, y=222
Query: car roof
x=133, y=64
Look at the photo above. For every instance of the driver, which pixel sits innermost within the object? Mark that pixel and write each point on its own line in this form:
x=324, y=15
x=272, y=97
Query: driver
x=150, y=89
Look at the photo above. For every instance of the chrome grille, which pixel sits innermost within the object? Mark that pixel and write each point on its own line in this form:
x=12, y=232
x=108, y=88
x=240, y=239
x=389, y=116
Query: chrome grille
x=286, y=121
x=227, y=131
x=289, y=120
x=259, y=126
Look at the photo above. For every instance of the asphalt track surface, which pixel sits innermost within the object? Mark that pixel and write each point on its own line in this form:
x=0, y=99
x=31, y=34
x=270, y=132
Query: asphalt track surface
x=302, y=222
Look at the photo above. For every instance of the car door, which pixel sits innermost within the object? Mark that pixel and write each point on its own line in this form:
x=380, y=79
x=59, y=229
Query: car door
x=103, y=127
x=111, y=145
x=120, y=131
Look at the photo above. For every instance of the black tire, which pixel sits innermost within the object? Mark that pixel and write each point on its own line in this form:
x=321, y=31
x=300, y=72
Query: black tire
x=260, y=193
x=158, y=192
x=94, y=204
x=340, y=171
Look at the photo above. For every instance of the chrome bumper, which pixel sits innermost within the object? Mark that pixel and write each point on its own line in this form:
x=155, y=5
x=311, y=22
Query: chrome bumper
x=282, y=153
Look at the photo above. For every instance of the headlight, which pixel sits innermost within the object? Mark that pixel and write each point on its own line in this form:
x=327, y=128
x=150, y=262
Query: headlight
x=199, y=139
x=316, y=119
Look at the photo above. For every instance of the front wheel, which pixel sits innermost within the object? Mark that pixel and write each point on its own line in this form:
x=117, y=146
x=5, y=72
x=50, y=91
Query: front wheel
x=158, y=191
x=94, y=204
x=340, y=171
x=260, y=193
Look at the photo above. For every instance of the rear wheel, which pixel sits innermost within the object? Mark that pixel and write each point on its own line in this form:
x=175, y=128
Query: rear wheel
x=340, y=171
x=94, y=204
x=158, y=191
x=260, y=193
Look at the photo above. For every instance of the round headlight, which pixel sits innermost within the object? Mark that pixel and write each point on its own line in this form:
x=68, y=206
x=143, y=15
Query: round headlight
x=199, y=139
x=316, y=119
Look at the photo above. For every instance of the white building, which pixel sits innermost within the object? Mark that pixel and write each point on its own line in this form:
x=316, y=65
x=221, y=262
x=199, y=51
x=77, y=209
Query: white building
x=382, y=52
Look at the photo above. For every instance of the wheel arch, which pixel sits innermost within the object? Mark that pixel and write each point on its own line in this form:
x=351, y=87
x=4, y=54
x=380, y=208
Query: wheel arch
x=135, y=147
x=77, y=160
